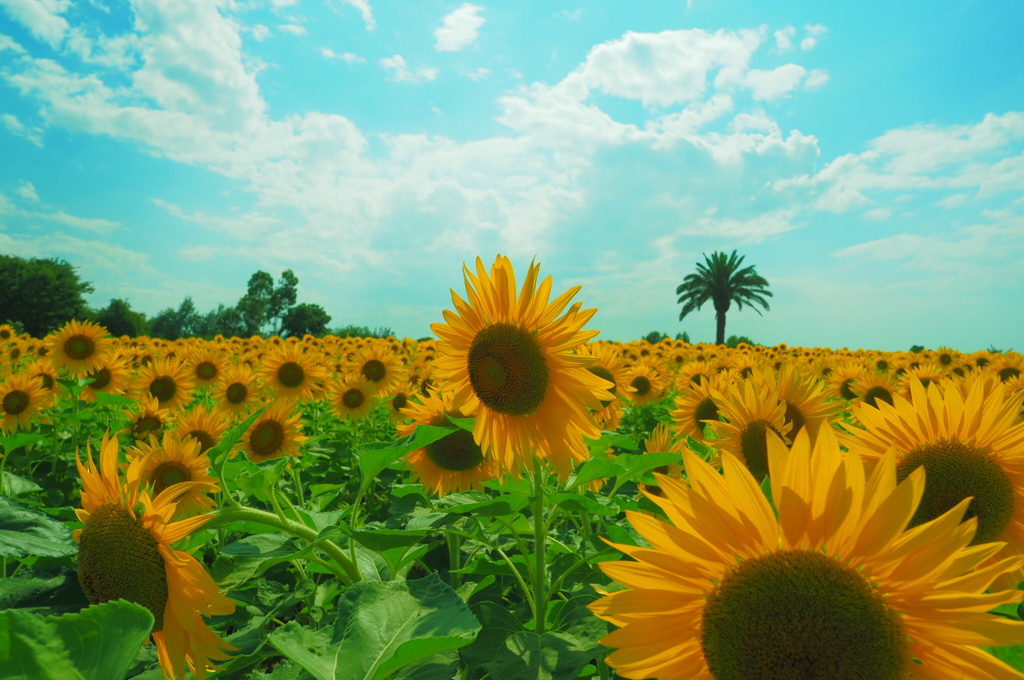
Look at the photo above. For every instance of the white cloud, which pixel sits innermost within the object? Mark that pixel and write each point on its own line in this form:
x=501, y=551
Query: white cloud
x=250, y=227
x=284, y=3
x=17, y=128
x=364, y=9
x=479, y=74
x=752, y=230
x=815, y=79
x=571, y=15
x=814, y=31
x=514, y=73
x=954, y=201
x=347, y=57
x=878, y=214
x=294, y=29
x=399, y=72
x=769, y=85
x=9, y=43
x=783, y=39
x=460, y=28
x=808, y=44
x=41, y=17
x=28, y=191
x=119, y=52
x=260, y=32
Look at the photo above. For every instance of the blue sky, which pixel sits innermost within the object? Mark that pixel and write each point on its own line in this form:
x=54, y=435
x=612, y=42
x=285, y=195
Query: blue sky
x=868, y=158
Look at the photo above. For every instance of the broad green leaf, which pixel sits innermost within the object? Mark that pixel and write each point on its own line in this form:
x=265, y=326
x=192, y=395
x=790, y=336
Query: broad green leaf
x=594, y=504
x=14, y=485
x=240, y=561
x=492, y=507
x=613, y=439
x=18, y=440
x=50, y=592
x=264, y=479
x=637, y=464
x=373, y=458
x=25, y=531
x=108, y=399
x=596, y=469
x=98, y=643
x=386, y=539
x=1012, y=656
x=381, y=628
x=464, y=423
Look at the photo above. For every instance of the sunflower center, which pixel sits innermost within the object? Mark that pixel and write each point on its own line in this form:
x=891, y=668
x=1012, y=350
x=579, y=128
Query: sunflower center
x=793, y=415
x=236, y=393
x=15, y=402
x=163, y=388
x=641, y=385
x=147, y=424
x=876, y=393
x=291, y=374
x=47, y=380
x=507, y=369
x=945, y=359
x=1008, y=372
x=399, y=402
x=169, y=473
x=267, y=438
x=100, y=378
x=353, y=398
x=604, y=373
x=374, y=370
x=119, y=558
x=845, y=390
x=456, y=452
x=754, y=444
x=79, y=347
x=206, y=441
x=698, y=378
x=206, y=370
x=706, y=410
x=799, y=614
x=954, y=471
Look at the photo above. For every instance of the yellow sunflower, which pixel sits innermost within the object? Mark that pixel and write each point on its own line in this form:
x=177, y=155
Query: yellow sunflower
x=235, y=391
x=508, y=360
x=645, y=383
x=806, y=400
x=43, y=370
x=874, y=386
x=693, y=373
x=695, y=405
x=276, y=433
x=379, y=366
x=970, y=447
x=750, y=409
x=832, y=588
x=1009, y=365
x=455, y=462
x=172, y=461
x=21, y=396
x=206, y=365
x=351, y=397
x=926, y=374
x=149, y=421
x=113, y=376
x=608, y=366
x=841, y=379
x=204, y=425
x=291, y=373
x=124, y=552
x=168, y=381
x=397, y=404
x=78, y=347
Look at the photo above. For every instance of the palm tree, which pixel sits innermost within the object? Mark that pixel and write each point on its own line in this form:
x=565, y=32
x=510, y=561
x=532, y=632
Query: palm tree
x=721, y=280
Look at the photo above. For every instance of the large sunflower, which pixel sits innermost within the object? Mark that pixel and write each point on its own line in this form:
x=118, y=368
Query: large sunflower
x=646, y=383
x=21, y=396
x=507, y=358
x=172, y=461
x=149, y=421
x=235, y=391
x=832, y=588
x=379, y=366
x=78, y=347
x=124, y=551
x=113, y=376
x=291, y=373
x=204, y=425
x=695, y=405
x=969, y=446
x=806, y=400
x=749, y=410
x=276, y=433
x=453, y=463
x=351, y=397
x=168, y=381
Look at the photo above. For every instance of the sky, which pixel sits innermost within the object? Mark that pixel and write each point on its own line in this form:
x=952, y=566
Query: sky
x=867, y=158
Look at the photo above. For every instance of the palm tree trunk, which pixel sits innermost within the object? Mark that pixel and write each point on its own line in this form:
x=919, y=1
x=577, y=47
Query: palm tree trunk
x=720, y=331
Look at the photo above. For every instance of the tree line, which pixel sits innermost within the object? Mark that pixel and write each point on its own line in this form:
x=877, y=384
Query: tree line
x=38, y=296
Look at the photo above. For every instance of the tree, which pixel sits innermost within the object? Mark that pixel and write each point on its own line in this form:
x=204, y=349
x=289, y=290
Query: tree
x=303, y=319
x=171, y=324
x=226, y=321
x=720, y=280
x=119, y=319
x=263, y=306
x=40, y=295
x=684, y=336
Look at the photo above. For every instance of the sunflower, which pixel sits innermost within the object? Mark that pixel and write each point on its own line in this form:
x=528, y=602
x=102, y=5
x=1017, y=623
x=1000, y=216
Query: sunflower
x=831, y=588
x=926, y=374
x=609, y=417
x=124, y=552
x=873, y=387
x=454, y=462
x=750, y=409
x=507, y=358
x=842, y=378
x=694, y=406
x=646, y=383
x=379, y=366
x=291, y=373
x=7, y=332
x=170, y=462
x=947, y=357
x=112, y=376
x=276, y=433
x=204, y=425
x=235, y=391
x=206, y=365
x=608, y=366
x=694, y=373
x=168, y=381
x=78, y=347
x=21, y=397
x=150, y=421
x=660, y=440
x=351, y=397
x=1008, y=366
x=969, y=446
x=805, y=398
x=43, y=371
x=397, y=404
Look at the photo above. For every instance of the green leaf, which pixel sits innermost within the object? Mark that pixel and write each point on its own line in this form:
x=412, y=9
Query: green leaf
x=491, y=507
x=385, y=539
x=373, y=458
x=381, y=628
x=264, y=479
x=18, y=440
x=613, y=439
x=638, y=464
x=25, y=531
x=240, y=561
x=14, y=485
x=466, y=424
x=98, y=643
x=595, y=504
x=107, y=399
x=596, y=469
x=1012, y=656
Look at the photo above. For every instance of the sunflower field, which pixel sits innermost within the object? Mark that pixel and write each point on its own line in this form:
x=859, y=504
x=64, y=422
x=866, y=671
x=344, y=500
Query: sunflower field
x=515, y=500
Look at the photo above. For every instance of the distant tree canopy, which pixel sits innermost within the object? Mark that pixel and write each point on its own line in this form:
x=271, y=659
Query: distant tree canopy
x=351, y=331
x=41, y=295
x=658, y=336
x=305, y=319
x=119, y=319
x=735, y=340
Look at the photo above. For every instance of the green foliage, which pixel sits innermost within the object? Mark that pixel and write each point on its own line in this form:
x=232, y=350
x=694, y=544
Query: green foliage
x=119, y=319
x=684, y=336
x=734, y=341
x=172, y=324
x=264, y=306
x=655, y=337
x=98, y=643
x=720, y=280
x=917, y=349
x=41, y=295
x=305, y=319
x=25, y=531
x=352, y=331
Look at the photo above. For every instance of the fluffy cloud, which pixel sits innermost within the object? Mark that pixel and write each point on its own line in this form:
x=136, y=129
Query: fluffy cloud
x=400, y=74
x=784, y=39
x=364, y=9
x=19, y=129
x=347, y=57
x=41, y=17
x=294, y=29
x=28, y=191
x=459, y=29
x=770, y=85
x=814, y=31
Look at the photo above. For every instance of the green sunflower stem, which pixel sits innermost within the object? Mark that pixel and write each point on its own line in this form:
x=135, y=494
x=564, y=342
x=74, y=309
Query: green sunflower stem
x=540, y=596
x=454, y=558
x=348, y=572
